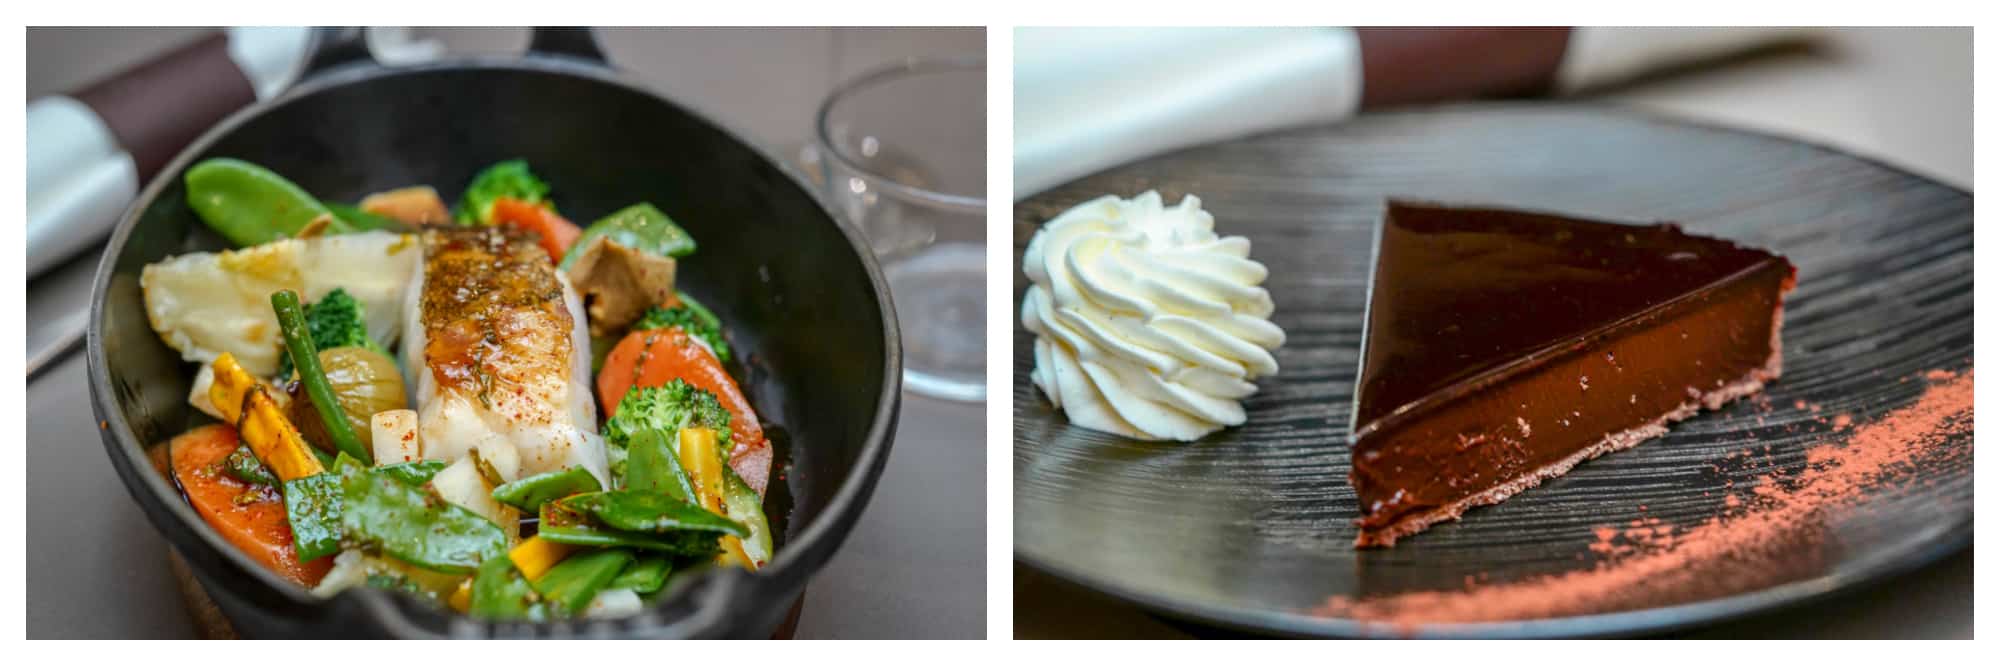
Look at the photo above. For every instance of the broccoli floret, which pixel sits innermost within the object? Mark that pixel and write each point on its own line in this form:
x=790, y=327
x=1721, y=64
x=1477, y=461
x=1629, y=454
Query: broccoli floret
x=509, y=179
x=335, y=321
x=688, y=319
x=667, y=408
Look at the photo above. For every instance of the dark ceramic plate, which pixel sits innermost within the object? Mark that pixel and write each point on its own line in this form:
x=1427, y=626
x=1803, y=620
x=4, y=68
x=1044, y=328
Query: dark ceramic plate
x=1252, y=527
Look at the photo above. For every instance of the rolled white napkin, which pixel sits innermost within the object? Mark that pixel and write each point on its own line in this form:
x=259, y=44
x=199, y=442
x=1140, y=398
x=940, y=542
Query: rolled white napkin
x=80, y=179
x=1090, y=98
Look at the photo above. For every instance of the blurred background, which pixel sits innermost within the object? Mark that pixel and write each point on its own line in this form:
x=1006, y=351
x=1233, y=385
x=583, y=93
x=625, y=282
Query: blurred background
x=774, y=82
x=913, y=567
x=1903, y=96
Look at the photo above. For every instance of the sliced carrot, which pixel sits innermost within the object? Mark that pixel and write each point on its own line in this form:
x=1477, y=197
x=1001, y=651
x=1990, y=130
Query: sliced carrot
x=249, y=516
x=157, y=454
x=557, y=234
x=651, y=358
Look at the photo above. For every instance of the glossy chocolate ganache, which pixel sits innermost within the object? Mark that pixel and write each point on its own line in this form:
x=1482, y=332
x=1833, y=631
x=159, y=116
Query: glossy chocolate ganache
x=1504, y=347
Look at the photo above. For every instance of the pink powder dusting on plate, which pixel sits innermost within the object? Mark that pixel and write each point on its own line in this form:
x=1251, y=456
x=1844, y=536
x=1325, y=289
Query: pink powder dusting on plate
x=1654, y=562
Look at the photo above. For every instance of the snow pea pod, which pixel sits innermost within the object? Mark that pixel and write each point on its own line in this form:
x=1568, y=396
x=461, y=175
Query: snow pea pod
x=638, y=226
x=408, y=524
x=647, y=574
x=651, y=466
x=569, y=587
x=701, y=312
x=531, y=492
x=313, y=504
x=415, y=473
x=361, y=220
x=635, y=511
x=499, y=592
x=688, y=544
x=744, y=506
x=243, y=464
x=252, y=205
x=566, y=526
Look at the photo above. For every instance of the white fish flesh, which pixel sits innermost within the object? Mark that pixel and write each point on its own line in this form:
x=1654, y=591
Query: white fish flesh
x=495, y=342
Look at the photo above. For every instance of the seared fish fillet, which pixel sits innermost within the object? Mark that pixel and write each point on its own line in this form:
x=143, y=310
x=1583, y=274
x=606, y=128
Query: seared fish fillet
x=496, y=342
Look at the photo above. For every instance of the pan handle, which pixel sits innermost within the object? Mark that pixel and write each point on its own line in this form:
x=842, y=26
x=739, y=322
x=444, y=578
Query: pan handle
x=336, y=47
x=333, y=48
x=573, y=42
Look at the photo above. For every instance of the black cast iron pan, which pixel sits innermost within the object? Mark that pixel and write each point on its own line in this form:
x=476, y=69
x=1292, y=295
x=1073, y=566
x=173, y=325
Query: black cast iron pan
x=774, y=264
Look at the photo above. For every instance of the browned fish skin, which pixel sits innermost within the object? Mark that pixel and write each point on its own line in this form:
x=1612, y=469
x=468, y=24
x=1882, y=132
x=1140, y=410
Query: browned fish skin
x=494, y=317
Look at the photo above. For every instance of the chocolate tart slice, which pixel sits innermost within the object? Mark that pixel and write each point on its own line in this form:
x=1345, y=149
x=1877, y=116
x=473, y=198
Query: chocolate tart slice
x=1504, y=347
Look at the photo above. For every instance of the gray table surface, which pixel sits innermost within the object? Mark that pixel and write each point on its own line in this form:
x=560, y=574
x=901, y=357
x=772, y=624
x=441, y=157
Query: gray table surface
x=1901, y=95
x=1931, y=603
x=913, y=568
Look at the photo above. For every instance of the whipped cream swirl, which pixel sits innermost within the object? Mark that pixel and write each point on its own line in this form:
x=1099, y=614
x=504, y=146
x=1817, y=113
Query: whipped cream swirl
x=1147, y=324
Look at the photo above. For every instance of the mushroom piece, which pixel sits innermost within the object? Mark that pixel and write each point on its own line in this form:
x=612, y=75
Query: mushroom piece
x=417, y=204
x=619, y=284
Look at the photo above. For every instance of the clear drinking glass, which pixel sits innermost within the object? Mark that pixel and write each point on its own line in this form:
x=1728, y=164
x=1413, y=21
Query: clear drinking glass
x=901, y=155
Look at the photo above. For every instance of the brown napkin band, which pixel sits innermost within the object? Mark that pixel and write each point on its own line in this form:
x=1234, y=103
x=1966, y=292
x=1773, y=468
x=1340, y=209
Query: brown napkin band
x=157, y=108
x=1419, y=65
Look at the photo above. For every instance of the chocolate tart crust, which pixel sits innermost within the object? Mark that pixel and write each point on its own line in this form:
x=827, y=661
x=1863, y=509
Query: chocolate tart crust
x=1750, y=384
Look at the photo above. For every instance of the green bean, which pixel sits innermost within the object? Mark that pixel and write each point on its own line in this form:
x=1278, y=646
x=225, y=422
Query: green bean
x=298, y=339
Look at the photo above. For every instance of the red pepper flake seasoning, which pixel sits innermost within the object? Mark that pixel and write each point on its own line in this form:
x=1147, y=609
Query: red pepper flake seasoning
x=1751, y=545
